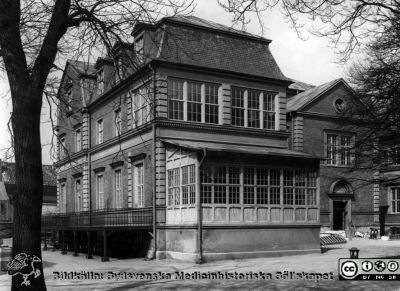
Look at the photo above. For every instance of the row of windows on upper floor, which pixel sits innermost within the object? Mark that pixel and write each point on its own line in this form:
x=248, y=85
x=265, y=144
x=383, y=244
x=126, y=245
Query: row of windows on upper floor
x=117, y=200
x=194, y=101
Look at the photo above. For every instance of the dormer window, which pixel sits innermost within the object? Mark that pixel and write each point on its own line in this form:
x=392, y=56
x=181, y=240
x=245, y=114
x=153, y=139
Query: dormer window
x=139, y=49
x=62, y=150
x=100, y=81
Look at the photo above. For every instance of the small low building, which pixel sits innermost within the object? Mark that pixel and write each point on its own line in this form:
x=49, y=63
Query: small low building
x=8, y=190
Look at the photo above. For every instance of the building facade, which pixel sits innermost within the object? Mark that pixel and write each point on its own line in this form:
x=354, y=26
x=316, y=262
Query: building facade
x=350, y=196
x=186, y=141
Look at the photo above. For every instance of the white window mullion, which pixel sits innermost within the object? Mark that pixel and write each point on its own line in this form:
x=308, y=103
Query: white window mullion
x=245, y=97
x=261, y=110
x=203, y=103
x=277, y=118
x=241, y=189
x=220, y=106
x=185, y=100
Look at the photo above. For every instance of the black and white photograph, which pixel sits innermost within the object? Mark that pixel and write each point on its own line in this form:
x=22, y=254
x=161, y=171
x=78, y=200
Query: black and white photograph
x=199, y=145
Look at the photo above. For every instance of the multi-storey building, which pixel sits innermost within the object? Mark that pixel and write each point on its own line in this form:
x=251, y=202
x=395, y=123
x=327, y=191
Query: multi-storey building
x=184, y=136
x=319, y=126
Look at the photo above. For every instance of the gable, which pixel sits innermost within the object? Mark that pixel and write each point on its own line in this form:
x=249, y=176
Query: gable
x=326, y=103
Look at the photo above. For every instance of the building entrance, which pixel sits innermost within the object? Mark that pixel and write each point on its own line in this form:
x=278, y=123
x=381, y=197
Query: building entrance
x=339, y=215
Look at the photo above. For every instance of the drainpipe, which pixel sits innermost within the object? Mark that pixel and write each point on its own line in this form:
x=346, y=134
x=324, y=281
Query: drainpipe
x=154, y=165
x=89, y=134
x=199, y=258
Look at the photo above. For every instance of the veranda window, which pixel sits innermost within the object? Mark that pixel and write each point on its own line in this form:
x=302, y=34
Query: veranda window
x=257, y=185
x=182, y=185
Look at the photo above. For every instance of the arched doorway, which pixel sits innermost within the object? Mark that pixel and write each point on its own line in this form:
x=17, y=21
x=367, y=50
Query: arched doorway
x=340, y=193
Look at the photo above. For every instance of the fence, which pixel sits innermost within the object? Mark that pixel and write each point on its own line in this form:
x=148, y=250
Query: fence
x=135, y=217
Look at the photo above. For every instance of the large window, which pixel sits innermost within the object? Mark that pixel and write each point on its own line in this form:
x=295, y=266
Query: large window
x=175, y=99
x=193, y=101
x=237, y=106
x=78, y=195
x=100, y=129
x=395, y=199
x=100, y=191
x=117, y=121
x=182, y=181
x=138, y=178
x=141, y=106
x=339, y=149
x=253, y=108
x=62, y=197
x=78, y=140
x=257, y=185
x=117, y=189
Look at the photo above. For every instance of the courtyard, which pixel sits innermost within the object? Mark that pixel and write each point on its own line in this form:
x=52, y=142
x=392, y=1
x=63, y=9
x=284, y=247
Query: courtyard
x=57, y=268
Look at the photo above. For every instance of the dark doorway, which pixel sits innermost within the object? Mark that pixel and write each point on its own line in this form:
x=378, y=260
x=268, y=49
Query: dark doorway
x=339, y=215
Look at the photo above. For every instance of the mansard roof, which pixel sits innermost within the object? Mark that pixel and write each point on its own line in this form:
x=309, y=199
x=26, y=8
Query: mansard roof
x=83, y=68
x=198, y=42
x=301, y=100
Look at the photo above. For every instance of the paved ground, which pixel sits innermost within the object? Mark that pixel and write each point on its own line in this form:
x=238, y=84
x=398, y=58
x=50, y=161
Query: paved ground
x=318, y=263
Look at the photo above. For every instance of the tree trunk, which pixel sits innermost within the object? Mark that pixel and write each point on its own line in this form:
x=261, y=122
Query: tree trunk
x=29, y=181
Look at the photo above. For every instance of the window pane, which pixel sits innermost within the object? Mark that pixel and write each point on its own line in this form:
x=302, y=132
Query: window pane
x=262, y=195
x=237, y=106
x=234, y=175
x=269, y=110
x=248, y=195
x=288, y=196
x=219, y=194
x=175, y=99
x=275, y=195
x=234, y=195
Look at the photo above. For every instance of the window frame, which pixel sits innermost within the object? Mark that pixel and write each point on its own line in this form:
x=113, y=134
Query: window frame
x=100, y=131
x=140, y=106
x=63, y=197
x=100, y=198
x=180, y=103
x=339, y=154
x=249, y=194
x=78, y=195
x=138, y=188
x=255, y=116
x=118, y=192
x=100, y=80
x=78, y=139
x=392, y=201
x=117, y=121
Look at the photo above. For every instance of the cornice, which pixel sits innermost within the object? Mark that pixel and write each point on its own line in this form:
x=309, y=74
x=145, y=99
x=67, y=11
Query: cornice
x=227, y=129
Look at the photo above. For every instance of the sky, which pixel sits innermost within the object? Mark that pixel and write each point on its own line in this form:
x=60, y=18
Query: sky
x=311, y=61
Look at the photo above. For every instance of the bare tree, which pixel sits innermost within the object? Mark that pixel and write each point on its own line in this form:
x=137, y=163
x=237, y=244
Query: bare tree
x=349, y=24
x=376, y=80
x=33, y=36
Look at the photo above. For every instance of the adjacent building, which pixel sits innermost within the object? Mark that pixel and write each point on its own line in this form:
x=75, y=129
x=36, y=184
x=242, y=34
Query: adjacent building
x=8, y=190
x=180, y=145
x=318, y=126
